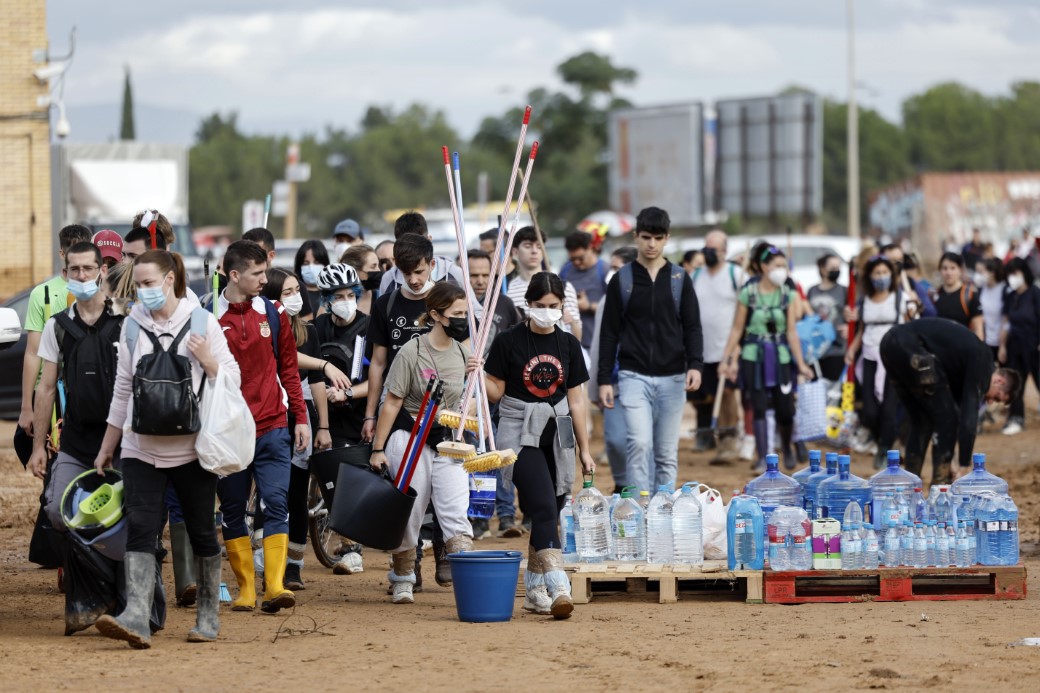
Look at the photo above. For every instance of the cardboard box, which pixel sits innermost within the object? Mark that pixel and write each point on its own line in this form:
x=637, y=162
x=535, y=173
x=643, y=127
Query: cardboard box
x=826, y=544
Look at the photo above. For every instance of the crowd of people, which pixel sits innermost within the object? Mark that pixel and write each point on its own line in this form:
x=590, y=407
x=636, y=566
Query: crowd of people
x=339, y=351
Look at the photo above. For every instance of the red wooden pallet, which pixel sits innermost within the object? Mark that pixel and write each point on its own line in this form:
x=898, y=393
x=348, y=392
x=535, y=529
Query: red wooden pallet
x=896, y=585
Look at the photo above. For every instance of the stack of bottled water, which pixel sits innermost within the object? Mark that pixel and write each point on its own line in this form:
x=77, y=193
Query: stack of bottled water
x=790, y=539
x=774, y=488
x=996, y=529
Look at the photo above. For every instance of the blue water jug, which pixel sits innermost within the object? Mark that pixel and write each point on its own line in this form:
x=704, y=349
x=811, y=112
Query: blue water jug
x=745, y=529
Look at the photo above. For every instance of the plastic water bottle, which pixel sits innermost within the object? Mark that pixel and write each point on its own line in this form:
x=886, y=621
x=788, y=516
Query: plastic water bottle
x=628, y=529
x=903, y=502
x=988, y=529
x=644, y=500
x=942, y=546
x=945, y=508
x=800, y=550
x=659, y=527
x=918, y=506
x=615, y=498
x=836, y=492
x=1010, y=548
x=846, y=547
x=774, y=488
x=893, y=478
x=933, y=495
x=889, y=517
x=592, y=518
x=812, y=484
x=687, y=528
x=745, y=527
x=906, y=545
x=777, y=531
x=870, y=548
x=853, y=515
x=931, y=547
x=963, y=552
x=570, y=549
x=802, y=475
x=892, y=553
x=971, y=530
x=977, y=481
x=920, y=546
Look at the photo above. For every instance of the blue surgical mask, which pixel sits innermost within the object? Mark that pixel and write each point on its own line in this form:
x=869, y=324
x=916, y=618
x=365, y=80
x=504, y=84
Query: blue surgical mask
x=309, y=274
x=881, y=283
x=84, y=291
x=152, y=297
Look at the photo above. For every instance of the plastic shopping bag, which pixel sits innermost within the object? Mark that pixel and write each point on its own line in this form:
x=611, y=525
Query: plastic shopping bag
x=811, y=414
x=227, y=436
x=713, y=523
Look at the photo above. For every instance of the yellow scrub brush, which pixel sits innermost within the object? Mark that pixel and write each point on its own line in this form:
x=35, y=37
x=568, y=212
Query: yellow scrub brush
x=456, y=449
x=451, y=419
x=489, y=461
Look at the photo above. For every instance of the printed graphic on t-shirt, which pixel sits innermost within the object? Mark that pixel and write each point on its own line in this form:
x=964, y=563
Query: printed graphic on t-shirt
x=543, y=375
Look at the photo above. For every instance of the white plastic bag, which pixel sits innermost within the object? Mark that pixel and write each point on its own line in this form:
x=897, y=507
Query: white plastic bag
x=227, y=436
x=713, y=523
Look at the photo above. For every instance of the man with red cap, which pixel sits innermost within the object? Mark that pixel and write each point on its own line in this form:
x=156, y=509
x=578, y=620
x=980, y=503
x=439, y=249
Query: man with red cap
x=110, y=244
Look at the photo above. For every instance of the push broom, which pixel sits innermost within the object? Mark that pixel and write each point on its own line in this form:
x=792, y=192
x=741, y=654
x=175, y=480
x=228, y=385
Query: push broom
x=415, y=428
x=411, y=461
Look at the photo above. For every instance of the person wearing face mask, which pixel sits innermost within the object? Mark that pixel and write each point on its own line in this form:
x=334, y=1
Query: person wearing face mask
x=270, y=379
x=311, y=258
x=1020, y=338
x=956, y=299
x=283, y=286
x=528, y=258
x=437, y=353
x=346, y=234
x=989, y=280
x=536, y=371
x=828, y=299
x=151, y=463
x=766, y=316
x=441, y=268
x=717, y=284
x=366, y=263
x=881, y=307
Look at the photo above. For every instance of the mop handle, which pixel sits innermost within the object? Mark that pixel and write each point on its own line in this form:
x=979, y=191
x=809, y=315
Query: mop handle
x=717, y=406
x=421, y=420
x=491, y=300
x=267, y=208
x=415, y=426
x=495, y=259
x=413, y=460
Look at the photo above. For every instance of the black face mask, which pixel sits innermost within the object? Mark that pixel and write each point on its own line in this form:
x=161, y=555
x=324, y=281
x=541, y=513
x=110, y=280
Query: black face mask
x=711, y=257
x=457, y=329
x=373, y=281
x=832, y=275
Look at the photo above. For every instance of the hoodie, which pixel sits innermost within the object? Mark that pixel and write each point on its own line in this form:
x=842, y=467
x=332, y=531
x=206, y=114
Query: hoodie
x=161, y=451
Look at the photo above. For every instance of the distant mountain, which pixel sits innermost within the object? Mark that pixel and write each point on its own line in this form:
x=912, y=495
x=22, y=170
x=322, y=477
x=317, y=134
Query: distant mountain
x=100, y=123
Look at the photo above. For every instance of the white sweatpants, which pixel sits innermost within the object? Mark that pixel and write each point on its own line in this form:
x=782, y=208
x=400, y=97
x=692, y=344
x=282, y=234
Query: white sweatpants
x=436, y=477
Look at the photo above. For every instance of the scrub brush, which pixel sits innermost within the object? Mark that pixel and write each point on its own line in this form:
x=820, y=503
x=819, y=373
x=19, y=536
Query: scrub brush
x=489, y=461
x=451, y=419
x=225, y=596
x=456, y=449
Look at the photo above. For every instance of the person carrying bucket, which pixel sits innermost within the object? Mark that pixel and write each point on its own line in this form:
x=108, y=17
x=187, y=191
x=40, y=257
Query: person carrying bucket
x=536, y=371
x=151, y=455
x=438, y=354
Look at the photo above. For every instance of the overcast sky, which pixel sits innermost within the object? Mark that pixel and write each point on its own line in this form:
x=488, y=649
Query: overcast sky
x=297, y=66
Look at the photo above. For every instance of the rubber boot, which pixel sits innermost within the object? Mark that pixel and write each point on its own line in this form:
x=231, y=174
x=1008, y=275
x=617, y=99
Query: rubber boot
x=132, y=624
x=556, y=583
x=786, y=431
x=240, y=556
x=184, y=585
x=207, y=613
x=294, y=565
x=457, y=544
x=761, y=429
x=402, y=577
x=276, y=597
x=536, y=596
x=442, y=573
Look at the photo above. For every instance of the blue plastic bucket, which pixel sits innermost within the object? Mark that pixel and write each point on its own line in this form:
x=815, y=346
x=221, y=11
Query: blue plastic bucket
x=484, y=584
x=483, y=487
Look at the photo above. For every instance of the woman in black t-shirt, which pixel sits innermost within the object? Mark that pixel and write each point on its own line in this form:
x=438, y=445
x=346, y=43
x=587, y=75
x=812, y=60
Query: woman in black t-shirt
x=956, y=300
x=1020, y=339
x=536, y=371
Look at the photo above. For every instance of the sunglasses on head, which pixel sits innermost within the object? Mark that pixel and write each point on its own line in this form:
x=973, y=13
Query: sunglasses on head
x=771, y=250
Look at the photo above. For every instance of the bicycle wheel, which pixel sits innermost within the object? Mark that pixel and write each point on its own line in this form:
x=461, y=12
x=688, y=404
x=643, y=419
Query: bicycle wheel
x=324, y=540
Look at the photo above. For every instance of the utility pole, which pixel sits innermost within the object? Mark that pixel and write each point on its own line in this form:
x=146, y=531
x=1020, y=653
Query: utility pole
x=853, y=129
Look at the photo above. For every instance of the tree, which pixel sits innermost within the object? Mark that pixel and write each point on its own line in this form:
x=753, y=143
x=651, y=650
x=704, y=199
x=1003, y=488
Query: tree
x=950, y=128
x=126, y=124
x=1017, y=126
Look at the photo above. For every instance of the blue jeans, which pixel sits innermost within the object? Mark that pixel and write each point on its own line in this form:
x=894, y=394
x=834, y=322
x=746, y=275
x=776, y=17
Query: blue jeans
x=505, y=496
x=653, y=408
x=615, y=438
x=270, y=468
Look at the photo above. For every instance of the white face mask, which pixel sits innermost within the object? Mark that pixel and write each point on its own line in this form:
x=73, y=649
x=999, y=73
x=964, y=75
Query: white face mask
x=293, y=304
x=778, y=275
x=344, y=310
x=423, y=291
x=1015, y=281
x=545, y=317
x=340, y=249
x=981, y=279
x=610, y=275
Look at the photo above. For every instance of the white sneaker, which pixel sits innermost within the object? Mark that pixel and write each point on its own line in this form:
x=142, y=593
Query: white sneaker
x=403, y=593
x=1013, y=428
x=349, y=564
x=747, y=449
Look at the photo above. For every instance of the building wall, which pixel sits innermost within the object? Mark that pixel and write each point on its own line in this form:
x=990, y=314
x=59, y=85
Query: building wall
x=26, y=250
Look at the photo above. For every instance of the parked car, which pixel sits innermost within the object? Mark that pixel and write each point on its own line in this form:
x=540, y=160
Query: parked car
x=12, y=352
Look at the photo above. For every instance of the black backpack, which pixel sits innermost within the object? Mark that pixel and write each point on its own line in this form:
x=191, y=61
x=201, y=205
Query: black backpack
x=339, y=352
x=88, y=367
x=164, y=402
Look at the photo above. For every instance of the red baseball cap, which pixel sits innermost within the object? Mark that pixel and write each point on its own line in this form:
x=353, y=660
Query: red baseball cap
x=109, y=243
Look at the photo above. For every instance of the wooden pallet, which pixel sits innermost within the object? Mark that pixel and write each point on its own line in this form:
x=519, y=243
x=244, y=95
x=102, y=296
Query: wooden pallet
x=896, y=585
x=633, y=578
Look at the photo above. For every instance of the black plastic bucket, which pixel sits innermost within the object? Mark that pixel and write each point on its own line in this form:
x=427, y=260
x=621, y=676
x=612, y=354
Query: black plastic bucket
x=369, y=509
x=325, y=466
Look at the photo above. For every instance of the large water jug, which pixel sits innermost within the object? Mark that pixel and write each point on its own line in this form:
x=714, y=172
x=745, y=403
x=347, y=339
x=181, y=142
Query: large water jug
x=802, y=475
x=975, y=482
x=592, y=524
x=836, y=492
x=745, y=527
x=812, y=484
x=987, y=528
x=628, y=529
x=659, y=527
x=892, y=478
x=774, y=488
x=687, y=527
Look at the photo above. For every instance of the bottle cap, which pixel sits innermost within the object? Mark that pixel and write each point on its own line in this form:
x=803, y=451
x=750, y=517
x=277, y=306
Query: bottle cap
x=626, y=493
x=644, y=493
x=814, y=455
x=868, y=525
x=772, y=462
x=917, y=489
x=586, y=484
x=978, y=458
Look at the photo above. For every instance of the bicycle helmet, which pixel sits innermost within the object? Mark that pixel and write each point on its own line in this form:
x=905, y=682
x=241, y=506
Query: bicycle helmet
x=336, y=277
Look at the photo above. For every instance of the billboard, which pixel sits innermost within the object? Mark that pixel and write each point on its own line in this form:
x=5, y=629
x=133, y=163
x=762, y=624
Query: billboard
x=657, y=159
x=770, y=156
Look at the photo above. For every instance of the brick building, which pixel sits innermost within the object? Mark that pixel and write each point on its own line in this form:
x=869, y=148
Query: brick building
x=26, y=236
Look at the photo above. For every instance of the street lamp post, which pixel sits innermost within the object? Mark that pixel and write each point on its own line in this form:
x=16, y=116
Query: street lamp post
x=853, y=129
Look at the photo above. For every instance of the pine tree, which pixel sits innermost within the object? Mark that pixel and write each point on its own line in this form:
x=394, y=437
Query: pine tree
x=126, y=126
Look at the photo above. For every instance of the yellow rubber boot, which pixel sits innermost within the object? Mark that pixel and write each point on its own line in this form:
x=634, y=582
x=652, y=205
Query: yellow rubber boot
x=240, y=556
x=276, y=548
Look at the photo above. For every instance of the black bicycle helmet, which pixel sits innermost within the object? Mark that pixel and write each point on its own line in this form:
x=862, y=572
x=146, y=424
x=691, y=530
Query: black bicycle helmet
x=336, y=277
